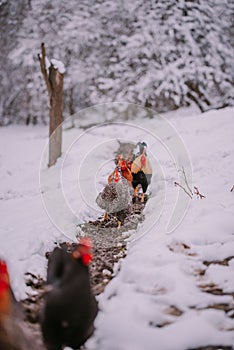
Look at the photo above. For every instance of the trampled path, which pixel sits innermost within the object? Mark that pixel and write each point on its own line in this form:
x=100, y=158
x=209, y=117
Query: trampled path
x=110, y=246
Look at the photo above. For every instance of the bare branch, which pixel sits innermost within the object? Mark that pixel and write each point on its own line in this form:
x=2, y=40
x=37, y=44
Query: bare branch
x=41, y=59
x=188, y=191
x=199, y=195
x=186, y=181
x=177, y=184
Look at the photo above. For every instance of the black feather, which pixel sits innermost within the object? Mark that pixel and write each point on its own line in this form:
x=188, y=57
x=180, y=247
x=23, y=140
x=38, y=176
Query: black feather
x=70, y=308
x=140, y=179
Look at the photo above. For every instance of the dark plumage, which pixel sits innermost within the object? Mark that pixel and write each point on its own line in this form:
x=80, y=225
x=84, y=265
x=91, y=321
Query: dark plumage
x=70, y=307
x=141, y=170
x=140, y=179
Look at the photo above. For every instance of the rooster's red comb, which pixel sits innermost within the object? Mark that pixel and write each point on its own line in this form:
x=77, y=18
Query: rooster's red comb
x=4, y=277
x=86, y=241
x=3, y=267
x=84, y=250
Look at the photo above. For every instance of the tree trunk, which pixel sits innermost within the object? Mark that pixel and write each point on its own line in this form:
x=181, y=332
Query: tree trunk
x=54, y=84
x=56, y=115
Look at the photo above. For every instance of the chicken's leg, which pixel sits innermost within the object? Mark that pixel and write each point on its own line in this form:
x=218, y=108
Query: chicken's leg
x=135, y=192
x=119, y=225
x=105, y=218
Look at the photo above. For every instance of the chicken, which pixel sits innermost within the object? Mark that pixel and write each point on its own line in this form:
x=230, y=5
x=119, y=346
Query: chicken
x=5, y=305
x=13, y=332
x=70, y=307
x=4, y=291
x=139, y=178
x=115, y=197
x=141, y=170
x=125, y=170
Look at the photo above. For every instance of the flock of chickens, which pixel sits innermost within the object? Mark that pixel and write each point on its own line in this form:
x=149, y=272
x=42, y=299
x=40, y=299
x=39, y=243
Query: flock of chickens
x=129, y=174
x=70, y=308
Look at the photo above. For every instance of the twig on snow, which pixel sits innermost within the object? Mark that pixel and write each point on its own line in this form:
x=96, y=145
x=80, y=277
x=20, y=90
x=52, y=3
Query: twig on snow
x=177, y=184
x=199, y=195
x=186, y=181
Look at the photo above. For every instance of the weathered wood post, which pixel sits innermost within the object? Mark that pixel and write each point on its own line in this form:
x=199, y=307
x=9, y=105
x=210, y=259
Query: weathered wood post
x=54, y=84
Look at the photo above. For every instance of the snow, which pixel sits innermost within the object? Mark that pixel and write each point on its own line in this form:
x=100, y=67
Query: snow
x=161, y=52
x=156, y=300
x=58, y=65
x=47, y=62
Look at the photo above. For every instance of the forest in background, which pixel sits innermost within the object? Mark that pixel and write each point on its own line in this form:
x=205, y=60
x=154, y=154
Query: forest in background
x=159, y=54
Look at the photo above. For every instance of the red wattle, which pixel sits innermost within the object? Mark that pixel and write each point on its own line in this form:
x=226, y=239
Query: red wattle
x=123, y=165
x=86, y=259
x=116, y=178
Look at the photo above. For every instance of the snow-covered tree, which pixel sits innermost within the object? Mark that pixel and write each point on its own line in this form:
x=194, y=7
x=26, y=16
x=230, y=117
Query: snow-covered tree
x=176, y=52
x=163, y=54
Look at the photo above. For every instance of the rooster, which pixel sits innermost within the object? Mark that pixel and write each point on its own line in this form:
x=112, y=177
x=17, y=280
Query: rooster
x=5, y=306
x=70, y=307
x=5, y=297
x=115, y=197
x=125, y=170
x=13, y=333
x=141, y=171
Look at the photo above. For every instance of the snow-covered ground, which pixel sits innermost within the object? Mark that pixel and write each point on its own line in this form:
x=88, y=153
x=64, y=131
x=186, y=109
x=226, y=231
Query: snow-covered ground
x=158, y=299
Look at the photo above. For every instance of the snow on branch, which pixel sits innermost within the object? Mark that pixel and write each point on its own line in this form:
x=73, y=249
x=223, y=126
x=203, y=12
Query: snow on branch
x=58, y=65
x=46, y=64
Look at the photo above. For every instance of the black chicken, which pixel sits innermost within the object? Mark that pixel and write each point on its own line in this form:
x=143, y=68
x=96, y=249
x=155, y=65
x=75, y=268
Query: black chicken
x=70, y=307
x=141, y=170
x=139, y=178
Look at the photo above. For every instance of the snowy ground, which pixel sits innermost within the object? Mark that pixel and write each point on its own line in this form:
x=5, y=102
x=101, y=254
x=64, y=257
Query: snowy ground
x=173, y=291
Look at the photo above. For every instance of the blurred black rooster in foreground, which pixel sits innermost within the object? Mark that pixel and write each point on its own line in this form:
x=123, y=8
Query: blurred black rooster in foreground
x=70, y=307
